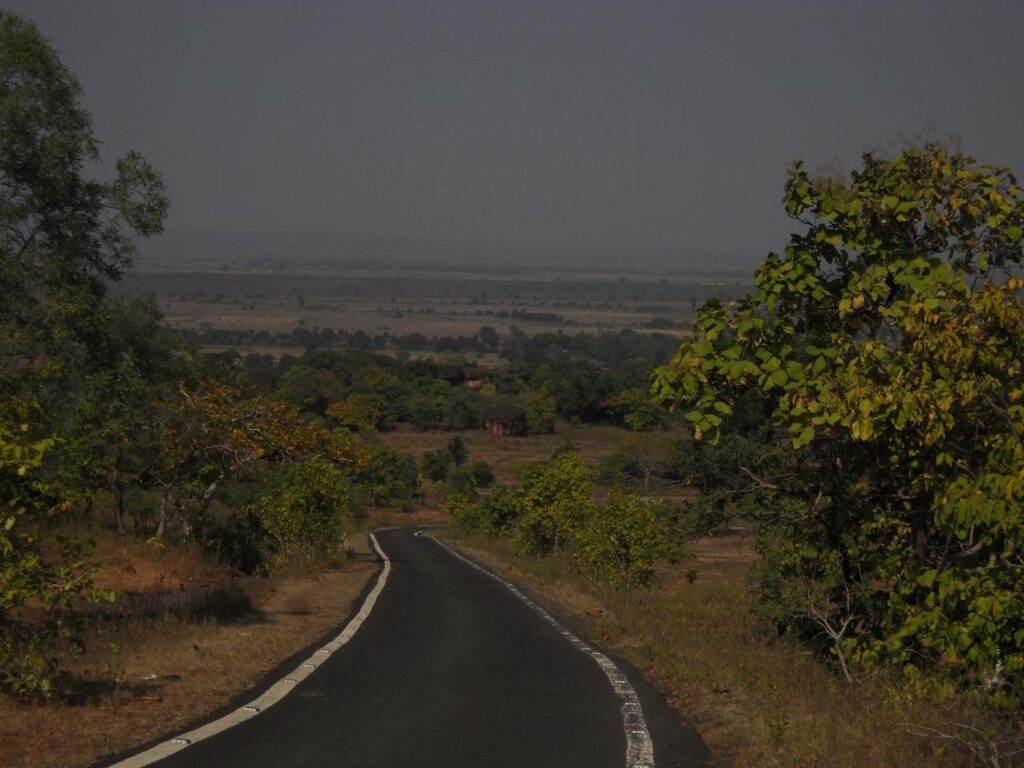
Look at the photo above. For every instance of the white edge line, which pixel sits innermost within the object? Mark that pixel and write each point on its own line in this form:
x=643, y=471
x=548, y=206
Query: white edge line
x=639, y=746
x=272, y=695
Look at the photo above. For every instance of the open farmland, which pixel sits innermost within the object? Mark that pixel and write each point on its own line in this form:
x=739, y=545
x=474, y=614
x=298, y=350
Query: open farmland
x=431, y=303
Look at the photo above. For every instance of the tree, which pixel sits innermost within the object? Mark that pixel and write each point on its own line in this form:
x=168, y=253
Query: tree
x=540, y=411
x=61, y=233
x=623, y=540
x=361, y=413
x=482, y=472
x=435, y=465
x=457, y=450
x=555, y=499
x=388, y=477
x=215, y=432
x=308, y=513
x=887, y=345
x=463, y=409
x=634, y=407
x=111, y=439
x=489, y=337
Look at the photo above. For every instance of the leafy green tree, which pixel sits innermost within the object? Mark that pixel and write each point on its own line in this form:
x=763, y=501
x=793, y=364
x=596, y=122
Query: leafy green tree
x=489, y=337
x=541, y=411
x=361, y=413
x=308, y=513
x=217, y=432
x=435, y=465
x=578, y=388
x=425, y=411
x=461, y=481
x=387, y=477
x=500, y=510
x=623, y=540
x=887, y=346
x=555, y=499
x=457, y=450
x=111, y=438
x=482, y=472
x=463, y=409
x=61, y=232
x=636, y=410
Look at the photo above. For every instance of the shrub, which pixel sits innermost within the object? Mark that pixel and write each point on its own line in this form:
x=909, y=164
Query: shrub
x=435, y=465
x=309, y=514
x=482, y=472
x=458, y=450
x=31, y=650
x=555, y=499
x=461, y=481
x=540, y=410
x=623, y=540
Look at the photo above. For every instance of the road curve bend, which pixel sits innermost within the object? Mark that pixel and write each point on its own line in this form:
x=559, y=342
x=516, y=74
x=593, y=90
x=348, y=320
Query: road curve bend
x=446, y=666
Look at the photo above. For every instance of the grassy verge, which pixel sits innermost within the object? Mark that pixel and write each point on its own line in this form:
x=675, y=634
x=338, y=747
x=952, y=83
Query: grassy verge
x=152, y=671
x=756, y=700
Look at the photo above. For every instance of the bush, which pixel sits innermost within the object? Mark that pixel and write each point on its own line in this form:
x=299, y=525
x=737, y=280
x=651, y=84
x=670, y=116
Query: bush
x=462, y=482
x=309, y=514
x=499, y=511
x=31, y=649
x=482, y=472
x=540, y=410
x=435, y=465
x=389, y=478
x=463, y=409
x=555, y=500
x=458, y=450
x=622, y=541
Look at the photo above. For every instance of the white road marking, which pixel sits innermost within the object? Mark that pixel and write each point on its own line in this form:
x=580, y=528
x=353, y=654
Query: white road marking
x=272, y=695
x=639, y=747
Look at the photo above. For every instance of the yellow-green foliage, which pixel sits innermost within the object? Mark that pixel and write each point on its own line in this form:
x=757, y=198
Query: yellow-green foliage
x=31, y=650
x=308, y=514
x=623, y=540
x=887, y=344
x=553, y=500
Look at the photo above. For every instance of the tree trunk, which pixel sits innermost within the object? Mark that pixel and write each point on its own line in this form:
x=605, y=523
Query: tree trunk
x=162, y=517
x=114, y=484
x=204, y=504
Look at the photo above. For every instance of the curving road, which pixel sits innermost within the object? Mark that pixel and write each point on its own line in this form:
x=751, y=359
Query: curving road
x=452, y=668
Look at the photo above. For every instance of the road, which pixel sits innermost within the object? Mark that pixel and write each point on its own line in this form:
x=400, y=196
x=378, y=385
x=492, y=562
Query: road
x=452, y=668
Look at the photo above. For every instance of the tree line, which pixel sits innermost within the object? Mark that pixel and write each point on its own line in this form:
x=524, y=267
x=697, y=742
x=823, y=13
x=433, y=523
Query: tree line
x=515, y=346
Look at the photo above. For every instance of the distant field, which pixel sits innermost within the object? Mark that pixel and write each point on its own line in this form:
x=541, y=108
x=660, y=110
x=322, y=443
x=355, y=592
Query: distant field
x=431, y=303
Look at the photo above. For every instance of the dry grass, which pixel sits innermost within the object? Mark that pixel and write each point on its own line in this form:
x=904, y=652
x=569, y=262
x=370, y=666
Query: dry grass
x=757, y=701
x=146, y=677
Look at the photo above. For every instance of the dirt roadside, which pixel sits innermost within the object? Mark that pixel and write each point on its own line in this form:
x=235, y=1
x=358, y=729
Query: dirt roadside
x=147, y=677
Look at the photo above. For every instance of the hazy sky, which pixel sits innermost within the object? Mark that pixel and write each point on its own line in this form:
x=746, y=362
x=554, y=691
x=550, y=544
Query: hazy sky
x=647, y=123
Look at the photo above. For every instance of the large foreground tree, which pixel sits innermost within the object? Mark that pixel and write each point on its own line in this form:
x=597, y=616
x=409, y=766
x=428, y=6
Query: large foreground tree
x=61, y=232
x=887, y=345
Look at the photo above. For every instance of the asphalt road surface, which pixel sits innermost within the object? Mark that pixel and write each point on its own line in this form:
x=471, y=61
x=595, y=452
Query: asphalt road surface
x=453, y=669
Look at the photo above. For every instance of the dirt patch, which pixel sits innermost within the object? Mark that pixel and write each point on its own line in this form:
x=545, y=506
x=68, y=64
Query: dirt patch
x=144, y=678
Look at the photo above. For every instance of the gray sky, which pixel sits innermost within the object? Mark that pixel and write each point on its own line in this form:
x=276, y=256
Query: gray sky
x=642, y=123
